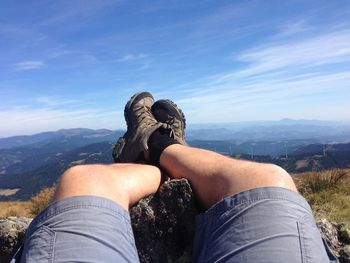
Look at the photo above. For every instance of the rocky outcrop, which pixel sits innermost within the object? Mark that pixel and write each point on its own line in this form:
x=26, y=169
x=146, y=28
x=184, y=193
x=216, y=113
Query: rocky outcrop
x=163, y=225
x=337, y=237
x=12, y=230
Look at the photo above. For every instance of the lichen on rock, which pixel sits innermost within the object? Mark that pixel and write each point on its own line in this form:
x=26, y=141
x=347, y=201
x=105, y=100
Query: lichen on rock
x=12, y=231
x=163, y=224
x=336, y=236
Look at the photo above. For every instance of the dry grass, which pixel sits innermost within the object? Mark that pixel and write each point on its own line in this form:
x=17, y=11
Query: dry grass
x=315, y=182
x=41, y=200
x=328, y=193
x=14, y=208
x=27, y=208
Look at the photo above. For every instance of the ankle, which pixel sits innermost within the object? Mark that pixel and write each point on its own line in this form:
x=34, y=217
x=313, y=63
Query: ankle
x=157, y=143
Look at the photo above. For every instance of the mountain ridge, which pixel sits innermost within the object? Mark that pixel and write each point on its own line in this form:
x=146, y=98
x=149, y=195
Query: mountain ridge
x=40, y=159
x=286, y=129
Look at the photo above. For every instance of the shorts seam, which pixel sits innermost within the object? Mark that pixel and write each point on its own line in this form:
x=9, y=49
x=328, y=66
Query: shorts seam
x=242, y=198
x=131, y=237
x=254, y=200
x=52, y=243
x=301, y=241
x=45, y=216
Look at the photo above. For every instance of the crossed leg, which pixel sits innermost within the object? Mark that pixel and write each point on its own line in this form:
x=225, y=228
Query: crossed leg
x=212, y=175
x=124, y=184
x=88, y=220
x=271, y=226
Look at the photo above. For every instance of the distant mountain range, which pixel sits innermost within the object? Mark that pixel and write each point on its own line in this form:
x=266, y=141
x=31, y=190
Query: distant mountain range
x=29, y=163
x=286, y=129
x=313, y=157
x=70, y=138
x=238, y=132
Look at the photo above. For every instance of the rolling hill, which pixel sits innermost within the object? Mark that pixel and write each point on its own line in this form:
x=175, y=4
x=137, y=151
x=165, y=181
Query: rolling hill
x=29, y=163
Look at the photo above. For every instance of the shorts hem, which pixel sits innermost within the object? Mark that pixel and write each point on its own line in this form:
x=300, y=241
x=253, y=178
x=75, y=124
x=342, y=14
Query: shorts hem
x=81, y=201
x=253, y=195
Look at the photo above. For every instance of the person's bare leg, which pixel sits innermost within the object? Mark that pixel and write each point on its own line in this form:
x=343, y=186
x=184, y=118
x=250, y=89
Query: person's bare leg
x=214, y=176
x=125, y=184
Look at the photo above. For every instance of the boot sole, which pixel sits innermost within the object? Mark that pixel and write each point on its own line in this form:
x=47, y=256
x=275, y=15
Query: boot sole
x=179, y=112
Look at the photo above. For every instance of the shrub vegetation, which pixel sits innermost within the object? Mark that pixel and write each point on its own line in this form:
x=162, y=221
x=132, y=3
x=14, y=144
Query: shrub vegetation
x=328, y=193
x=41, y=200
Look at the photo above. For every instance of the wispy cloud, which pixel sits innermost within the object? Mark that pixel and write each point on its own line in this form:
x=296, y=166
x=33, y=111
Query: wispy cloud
x=55, y=101
x=28, y=65
x=294, y=27
x=277, y=79
x=140, y=60
x=275, y=98
x=77, y=10
x=27, y=120
x=21, y=33
x=325, y=49
x=132, y=57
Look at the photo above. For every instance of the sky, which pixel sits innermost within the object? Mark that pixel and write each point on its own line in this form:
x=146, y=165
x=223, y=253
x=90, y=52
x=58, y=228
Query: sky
x=75, y=63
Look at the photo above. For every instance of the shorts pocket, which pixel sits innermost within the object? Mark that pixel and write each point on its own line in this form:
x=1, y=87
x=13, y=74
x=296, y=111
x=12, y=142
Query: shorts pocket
x=311, y=244
x=39, y=246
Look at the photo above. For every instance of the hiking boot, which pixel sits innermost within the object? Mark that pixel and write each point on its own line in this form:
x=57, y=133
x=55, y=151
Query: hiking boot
x=167, y=112
x=141, y=123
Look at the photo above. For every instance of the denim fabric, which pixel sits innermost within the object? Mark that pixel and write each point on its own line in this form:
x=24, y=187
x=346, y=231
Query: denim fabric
x=260, y=225
x=81, y=229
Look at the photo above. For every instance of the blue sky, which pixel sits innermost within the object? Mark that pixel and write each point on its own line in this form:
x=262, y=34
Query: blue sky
x=71, y=63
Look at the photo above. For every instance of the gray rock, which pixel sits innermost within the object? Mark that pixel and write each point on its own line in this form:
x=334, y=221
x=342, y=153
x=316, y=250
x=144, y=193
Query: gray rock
x=12, y=230
x=337, y=237
x=344, y=254
x=344, y=233
x=163, y=224
x=329, y=232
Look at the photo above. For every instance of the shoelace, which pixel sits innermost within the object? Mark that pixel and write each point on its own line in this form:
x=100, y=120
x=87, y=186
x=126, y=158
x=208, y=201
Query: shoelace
x=144, y=113
x=176, y=127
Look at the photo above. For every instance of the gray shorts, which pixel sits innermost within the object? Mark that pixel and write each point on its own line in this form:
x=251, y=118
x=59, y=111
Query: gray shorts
x=81, y=229
x=268, y=224
x=259, y=225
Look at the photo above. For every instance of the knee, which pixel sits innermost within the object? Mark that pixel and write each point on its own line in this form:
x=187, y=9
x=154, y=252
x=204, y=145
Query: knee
x=93, y=179
x=76, y=173
x=280, y=177
x=88, y=177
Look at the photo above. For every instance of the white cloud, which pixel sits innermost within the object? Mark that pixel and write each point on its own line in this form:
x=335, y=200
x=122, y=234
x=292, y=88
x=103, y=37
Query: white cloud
x=293, y=28
x=132, y=57
x=28, y=121
x=325, y=49
x=309, y=97
x=55, y=101
x=78, y=10
x=305, y=78
x=141, y=61
x=29, y=65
